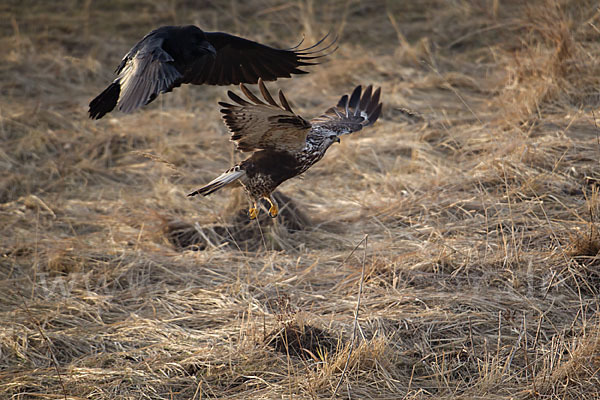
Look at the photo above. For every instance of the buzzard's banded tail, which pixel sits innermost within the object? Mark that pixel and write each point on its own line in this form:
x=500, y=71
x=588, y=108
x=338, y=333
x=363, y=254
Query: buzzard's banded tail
x=224, y=179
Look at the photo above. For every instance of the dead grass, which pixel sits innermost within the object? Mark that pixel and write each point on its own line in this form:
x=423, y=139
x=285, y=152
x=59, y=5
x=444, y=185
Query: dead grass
x=481, y=272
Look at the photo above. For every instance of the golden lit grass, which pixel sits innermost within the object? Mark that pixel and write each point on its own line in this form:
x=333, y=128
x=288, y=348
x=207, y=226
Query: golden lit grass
x=481, y=269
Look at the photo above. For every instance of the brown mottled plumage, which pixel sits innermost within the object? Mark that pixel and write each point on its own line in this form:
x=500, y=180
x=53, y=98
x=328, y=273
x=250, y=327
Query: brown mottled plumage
x=285, y=144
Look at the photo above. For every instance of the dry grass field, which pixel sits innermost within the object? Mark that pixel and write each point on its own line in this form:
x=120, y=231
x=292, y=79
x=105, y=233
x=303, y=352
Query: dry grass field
x=470, y=230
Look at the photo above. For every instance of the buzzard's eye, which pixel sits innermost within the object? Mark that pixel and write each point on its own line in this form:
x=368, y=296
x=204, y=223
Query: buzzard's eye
x=334, y=138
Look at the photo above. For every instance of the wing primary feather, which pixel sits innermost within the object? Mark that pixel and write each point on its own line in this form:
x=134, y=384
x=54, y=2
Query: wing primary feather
x=284, y=102
x=318, y=43
x=366, y=97
x=308, y=55
x=265, y=93
x=302, y=63
x=375, y=114
x=355, y=98
x=299, y=44
x=343, y=101
x=237, y=98
x=299, y=71
x=250, y=95
x=325, y=51
x=347, y=108
x=374, y=101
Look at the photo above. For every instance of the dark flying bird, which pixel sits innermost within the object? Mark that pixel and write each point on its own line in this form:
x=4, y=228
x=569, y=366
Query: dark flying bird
x=172, y=55
x=284, y=144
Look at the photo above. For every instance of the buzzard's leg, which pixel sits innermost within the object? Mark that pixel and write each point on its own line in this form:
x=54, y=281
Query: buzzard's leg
x=274, y=210
x=253, y=211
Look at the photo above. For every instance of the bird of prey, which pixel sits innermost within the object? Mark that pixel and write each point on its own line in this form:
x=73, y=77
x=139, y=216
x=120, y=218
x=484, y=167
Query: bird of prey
x=172, y=55
x=284, y=144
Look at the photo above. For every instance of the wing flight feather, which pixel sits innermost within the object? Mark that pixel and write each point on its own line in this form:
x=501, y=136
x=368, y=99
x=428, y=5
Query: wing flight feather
x=351, y=113
x=256, y=125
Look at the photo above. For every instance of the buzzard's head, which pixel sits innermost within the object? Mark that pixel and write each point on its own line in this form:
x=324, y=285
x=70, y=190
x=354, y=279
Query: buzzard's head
x=331, y=139
x=321, y=142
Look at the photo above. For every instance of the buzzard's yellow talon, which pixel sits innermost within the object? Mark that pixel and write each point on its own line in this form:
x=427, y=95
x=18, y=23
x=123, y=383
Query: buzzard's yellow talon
x=253, y=213
x=273, y=211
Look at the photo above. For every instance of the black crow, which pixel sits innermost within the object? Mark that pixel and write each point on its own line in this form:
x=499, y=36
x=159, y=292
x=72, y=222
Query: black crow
x=171, y=55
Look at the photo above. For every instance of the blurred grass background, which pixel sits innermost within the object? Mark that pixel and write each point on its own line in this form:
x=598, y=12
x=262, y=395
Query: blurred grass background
x=481, y=263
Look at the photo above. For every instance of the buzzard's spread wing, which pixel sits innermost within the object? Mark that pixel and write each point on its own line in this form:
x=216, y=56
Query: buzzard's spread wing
x=278, y=133
x=256, y=125
x=238, y=60
x=172, y=55
x=351, y=113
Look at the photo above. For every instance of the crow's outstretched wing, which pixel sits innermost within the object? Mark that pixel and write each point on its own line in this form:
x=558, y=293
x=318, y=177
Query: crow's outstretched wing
x=238, y=60
x=173, y=55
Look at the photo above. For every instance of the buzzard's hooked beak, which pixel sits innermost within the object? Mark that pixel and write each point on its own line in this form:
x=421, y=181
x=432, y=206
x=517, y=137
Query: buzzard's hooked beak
x=337, y=139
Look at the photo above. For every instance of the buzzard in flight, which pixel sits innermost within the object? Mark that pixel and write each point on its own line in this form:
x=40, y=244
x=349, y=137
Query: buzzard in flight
x=284, y=144
x=172, y=55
